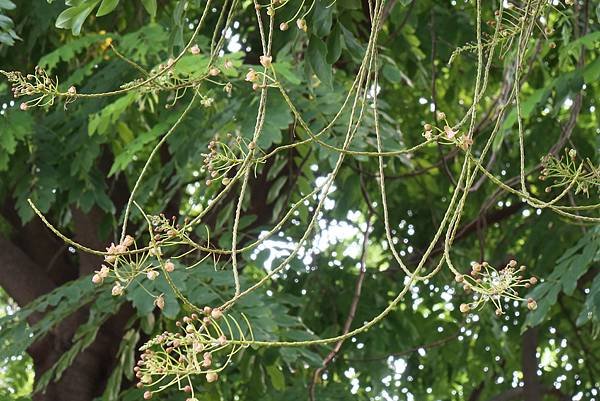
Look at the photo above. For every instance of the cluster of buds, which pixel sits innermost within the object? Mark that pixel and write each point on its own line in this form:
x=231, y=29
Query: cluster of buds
x=565, y=171
x=114, y=251
x=447, y=134
x=100, y=275
x=489, y=284
x=254, y=77
x=38, y=84
x=169, y=358
x=223, y=157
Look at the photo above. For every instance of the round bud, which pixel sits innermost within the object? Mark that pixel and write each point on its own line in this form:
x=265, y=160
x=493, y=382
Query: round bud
x=464, y=308
x=283, y=26
x=531, y=304
x=195, y=50
x=160, y=302
x=572, y=153
x=459, y=278
x=301, y=24
x=222, y=340
x=169, y=266
x=427, y=127
x=147, y=395
x=533, y=280
x=128, y=241
x=266, y=61
x=212, y=377
x=216, y=314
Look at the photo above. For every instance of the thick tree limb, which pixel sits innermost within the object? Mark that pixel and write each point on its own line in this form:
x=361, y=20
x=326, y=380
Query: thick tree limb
x=22, y=279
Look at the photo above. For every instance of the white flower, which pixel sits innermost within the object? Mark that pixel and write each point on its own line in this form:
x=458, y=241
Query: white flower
x=195, y=50
x=160, y=302
x=152, y=275
x=212, y=377
x=450, y=133
x=103, y=272
x=251, y=75
x=128, y=241
x=207, y=101
x=301, y=24
x=117, y=290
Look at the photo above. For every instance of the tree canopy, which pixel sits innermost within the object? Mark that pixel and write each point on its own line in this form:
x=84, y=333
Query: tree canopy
x=299, y=199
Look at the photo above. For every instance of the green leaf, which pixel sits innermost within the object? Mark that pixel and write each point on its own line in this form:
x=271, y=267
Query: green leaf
x=285, y=69
x=316, y=55
x=105, y=118
x=7, y=5
x=276, y=376
x=74, y=17
x=334, y=44
x=275, y=189
x=322, y=17
x=106, y=7
x=569, y=268
x=591, y=307
x=150, y=6
x=68, y=51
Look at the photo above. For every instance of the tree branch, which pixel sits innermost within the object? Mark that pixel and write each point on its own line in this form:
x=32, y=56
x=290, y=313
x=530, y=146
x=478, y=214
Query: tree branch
x=22, y=279
x=351, y=312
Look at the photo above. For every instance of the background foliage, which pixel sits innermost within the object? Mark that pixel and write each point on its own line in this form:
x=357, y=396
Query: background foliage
x=78, y=164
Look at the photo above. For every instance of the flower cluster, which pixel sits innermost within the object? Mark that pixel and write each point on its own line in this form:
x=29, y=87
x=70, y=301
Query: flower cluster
x=489, y=284
x=40, y=85
x=204, y=346
x=567, y=171
x=446, y=135
x=222, y=157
